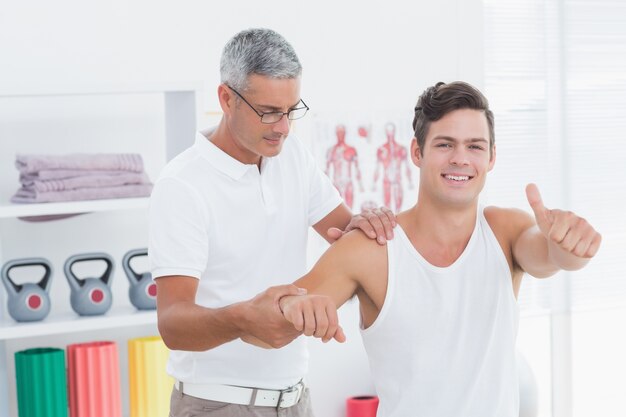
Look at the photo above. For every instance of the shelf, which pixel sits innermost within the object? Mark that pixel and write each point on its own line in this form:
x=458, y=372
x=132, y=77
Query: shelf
x=70, y=322
x=72, y=207
x=176, y=104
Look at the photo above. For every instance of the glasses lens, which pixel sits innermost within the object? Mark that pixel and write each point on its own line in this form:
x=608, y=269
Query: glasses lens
x=271, y=117
x=297, y=113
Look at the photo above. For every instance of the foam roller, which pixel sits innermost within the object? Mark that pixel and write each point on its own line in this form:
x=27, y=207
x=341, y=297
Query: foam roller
x=41, y=382
x=149, y=385
x=94, y=380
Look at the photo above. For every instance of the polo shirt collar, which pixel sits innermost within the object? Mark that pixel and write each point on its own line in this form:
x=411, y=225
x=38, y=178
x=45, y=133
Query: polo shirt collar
x=221, y=160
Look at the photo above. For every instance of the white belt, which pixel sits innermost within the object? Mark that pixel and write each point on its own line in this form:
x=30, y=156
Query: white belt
x=243, y=395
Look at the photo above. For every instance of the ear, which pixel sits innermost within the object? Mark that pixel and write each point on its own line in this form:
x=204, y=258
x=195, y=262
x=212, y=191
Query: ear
x=226, y=99
x=492, y=161
x=416, y=156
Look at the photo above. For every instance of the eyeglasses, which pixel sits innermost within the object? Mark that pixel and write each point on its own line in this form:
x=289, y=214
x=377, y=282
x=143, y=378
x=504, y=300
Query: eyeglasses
x=276, y=116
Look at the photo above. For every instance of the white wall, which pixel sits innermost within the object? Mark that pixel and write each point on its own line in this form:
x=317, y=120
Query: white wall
x=359, y=57
x=354, y=52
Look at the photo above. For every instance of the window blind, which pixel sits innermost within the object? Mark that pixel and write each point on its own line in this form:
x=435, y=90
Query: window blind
x=555, y=75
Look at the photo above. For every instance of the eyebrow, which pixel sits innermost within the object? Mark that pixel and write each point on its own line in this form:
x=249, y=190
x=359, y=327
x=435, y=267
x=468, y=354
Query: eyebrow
x=451, y=139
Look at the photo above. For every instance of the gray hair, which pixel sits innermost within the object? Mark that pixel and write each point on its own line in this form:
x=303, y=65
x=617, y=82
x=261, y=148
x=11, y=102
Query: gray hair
x=257, y=51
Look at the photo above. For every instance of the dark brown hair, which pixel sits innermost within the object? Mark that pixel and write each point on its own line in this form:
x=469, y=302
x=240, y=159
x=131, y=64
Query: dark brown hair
x=441, y=99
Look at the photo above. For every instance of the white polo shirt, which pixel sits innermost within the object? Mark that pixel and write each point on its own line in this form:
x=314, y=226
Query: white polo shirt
x=239, y=232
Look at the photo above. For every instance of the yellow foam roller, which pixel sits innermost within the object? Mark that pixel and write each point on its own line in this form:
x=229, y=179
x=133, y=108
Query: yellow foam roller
x=150, y=386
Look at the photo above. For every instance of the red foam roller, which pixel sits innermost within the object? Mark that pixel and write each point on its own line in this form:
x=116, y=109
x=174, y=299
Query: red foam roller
x=94, y=380
x=363, y=406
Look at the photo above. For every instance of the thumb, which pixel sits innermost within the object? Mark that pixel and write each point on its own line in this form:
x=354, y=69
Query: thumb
x=340, y=336
x=334, y=233
x=289, y=289
x=536, y=203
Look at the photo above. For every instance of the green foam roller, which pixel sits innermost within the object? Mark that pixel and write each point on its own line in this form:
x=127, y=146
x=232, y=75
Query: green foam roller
x=41, y=382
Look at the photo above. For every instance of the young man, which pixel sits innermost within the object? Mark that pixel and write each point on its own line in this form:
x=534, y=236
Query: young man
x=229, y=219
x=438, y=303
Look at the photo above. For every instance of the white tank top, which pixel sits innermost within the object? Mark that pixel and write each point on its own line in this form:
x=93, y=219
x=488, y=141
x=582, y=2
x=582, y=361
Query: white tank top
x=443, y=344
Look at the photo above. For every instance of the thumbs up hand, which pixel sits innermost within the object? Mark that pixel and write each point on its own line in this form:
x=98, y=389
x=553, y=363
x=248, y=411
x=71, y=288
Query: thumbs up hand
x=564, y=229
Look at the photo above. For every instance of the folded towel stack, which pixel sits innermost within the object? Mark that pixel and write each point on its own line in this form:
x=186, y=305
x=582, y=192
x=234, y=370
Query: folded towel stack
x=75, y=177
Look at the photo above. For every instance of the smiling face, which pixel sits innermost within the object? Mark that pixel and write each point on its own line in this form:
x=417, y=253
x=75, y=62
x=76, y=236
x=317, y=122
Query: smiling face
x=249, y=139
x=455, y=159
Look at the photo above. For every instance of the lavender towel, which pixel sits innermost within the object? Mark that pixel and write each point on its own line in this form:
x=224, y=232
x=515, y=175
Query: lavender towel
x=86, y=181
x=28, y=164
x=60, y=174
x=123, y=191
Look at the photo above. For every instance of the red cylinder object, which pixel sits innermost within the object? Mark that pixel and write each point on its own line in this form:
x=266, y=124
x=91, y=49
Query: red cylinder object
x=363, y=406
x=94, y=380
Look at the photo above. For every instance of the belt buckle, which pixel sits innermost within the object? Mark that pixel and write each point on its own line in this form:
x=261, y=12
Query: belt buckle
x=298, y=388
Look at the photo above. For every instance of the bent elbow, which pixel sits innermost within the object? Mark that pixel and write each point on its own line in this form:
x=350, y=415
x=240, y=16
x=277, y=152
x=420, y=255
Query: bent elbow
x=169, y=338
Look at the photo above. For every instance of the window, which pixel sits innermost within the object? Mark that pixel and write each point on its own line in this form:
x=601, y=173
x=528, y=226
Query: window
x=555, y=74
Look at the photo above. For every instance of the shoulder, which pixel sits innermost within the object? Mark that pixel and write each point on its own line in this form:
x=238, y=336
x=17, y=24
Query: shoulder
x=508, y=223
x=359, y=253
x=180, y=175
x=356, y=239
x=175, y=189
x=186, y=167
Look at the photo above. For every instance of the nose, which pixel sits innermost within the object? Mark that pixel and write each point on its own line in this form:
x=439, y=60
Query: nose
x=459, y=156
x=282, y=126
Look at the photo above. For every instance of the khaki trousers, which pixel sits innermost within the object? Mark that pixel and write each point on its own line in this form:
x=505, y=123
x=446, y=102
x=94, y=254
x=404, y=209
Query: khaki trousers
x=182, y=405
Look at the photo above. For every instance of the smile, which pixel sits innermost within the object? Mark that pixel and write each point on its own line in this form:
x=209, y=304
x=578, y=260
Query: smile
x=459, y=178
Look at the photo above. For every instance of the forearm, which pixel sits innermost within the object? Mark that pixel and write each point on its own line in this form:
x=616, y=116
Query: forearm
x=188, y=326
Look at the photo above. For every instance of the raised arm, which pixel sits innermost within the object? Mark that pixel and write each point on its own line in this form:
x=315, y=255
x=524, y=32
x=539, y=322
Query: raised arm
x=184, y=325
x=555, y=240
x=352, y=266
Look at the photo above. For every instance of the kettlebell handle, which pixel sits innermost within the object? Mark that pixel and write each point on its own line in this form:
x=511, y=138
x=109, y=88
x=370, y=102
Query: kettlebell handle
x=14, y=288
x=130, y=273
x=81, y=257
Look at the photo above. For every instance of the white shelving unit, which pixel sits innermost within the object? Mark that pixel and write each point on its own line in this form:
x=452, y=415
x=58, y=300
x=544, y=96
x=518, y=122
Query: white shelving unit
x=71, y=323
x=178, y=114
x=74, y=207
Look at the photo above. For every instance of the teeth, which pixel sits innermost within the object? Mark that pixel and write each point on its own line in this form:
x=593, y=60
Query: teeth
x=457, y=178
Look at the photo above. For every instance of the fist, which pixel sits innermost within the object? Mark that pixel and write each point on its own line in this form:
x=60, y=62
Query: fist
x=565, y=229
x=313, y=315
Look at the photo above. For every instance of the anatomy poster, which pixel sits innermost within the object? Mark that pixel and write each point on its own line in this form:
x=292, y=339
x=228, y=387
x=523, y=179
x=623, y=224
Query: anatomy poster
x=368, y=161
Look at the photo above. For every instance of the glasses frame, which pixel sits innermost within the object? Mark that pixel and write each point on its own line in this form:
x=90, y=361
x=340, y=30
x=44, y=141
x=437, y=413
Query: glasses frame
x=263, y=114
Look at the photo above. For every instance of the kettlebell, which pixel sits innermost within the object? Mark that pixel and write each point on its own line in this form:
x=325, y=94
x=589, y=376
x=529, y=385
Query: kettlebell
x=28, y=302
x=90, y=296
x=143, y=290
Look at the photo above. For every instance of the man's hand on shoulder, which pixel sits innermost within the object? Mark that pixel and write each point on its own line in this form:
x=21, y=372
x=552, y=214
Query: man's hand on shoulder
x=375, y=223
